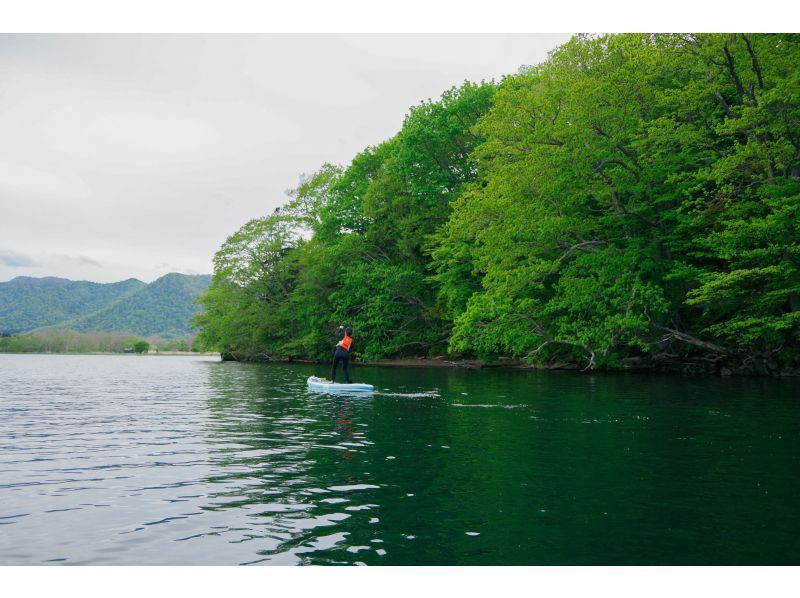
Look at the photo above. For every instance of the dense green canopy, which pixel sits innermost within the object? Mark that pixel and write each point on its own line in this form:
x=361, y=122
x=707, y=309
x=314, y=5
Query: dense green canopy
x=635, y=198
x=162, y=308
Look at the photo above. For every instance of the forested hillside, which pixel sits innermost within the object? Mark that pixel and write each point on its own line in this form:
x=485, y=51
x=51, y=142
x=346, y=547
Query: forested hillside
x=27, y=303
x=633, y=200
x=162, y=308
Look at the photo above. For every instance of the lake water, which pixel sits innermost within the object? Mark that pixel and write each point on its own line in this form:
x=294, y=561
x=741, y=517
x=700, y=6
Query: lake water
x=187, y=460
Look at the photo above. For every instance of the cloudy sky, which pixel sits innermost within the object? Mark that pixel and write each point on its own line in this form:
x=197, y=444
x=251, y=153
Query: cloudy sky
x=136, y=155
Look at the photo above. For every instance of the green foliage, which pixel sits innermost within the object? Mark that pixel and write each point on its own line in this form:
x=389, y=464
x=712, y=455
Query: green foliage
x=27, y=303
x=175, y=344
x=254, y=271
x=67, y=341
x=141, y=347
x=162, y=308
x=632, y=195
x=632, y=185
x=366, y=261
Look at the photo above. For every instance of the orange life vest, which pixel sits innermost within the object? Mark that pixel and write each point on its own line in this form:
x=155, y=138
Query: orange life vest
x=345, y=343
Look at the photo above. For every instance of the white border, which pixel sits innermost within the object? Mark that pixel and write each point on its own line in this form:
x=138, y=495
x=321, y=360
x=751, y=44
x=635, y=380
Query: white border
x=424, y=16
x=390, y=582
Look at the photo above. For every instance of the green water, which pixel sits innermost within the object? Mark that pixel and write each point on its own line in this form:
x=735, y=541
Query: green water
x=186, y=461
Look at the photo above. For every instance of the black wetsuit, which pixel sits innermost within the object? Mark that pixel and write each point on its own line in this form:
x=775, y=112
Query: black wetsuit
x=341, y=355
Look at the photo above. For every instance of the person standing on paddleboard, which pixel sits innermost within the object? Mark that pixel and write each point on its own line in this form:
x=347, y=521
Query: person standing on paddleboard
x=342, y=353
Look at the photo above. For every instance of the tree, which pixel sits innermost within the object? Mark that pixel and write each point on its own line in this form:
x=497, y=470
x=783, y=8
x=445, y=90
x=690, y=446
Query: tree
x=637, y=193
x=633, y=197
x=253, y=274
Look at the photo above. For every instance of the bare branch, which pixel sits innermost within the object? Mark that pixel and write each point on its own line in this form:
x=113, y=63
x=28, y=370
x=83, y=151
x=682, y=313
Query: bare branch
x=591, y=364
x=687, y=338
x=731, y=65
x=588, y=246
x=754, y=61
x=724, y=105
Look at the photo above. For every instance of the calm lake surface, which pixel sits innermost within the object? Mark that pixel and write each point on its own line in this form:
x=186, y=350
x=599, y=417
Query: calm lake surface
x=186, y=460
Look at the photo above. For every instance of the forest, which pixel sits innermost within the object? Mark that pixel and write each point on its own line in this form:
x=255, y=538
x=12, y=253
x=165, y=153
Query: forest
x=70, y=341
x=631, y=202
x=162, y=308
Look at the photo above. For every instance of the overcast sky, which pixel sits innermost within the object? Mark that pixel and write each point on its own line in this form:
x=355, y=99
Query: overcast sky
x=136, y=155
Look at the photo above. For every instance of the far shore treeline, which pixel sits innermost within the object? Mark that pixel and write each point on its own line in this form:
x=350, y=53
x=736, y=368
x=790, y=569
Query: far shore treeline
x=633, y=201
x=71, y=341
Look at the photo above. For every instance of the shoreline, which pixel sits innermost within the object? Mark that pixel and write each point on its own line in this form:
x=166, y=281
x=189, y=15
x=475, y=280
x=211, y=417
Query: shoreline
x=687, y=368
x=679, y=368
x=676, y=369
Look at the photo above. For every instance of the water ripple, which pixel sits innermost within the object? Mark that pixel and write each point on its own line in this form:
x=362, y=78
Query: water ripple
x=170, y=460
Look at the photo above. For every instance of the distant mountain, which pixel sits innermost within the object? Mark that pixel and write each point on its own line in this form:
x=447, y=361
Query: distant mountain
x=27, y=303
x=162, y=308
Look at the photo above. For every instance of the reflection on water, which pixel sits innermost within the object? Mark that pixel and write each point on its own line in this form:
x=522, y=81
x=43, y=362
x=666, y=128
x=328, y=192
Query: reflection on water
x=149, y=460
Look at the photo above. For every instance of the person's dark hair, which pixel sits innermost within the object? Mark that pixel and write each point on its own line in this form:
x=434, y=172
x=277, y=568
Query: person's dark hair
x=348, y=330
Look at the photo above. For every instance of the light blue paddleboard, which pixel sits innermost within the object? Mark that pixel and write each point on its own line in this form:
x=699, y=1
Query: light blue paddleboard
x=321, y=385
